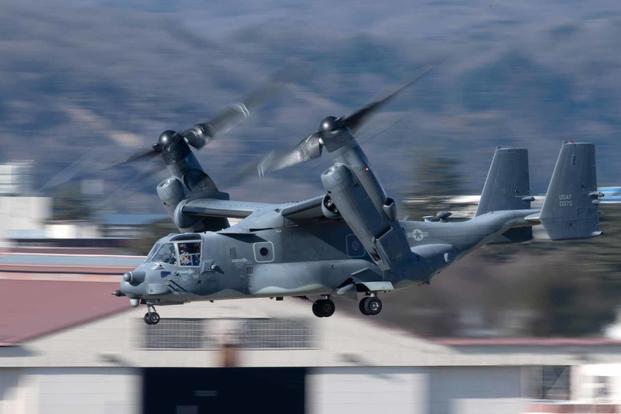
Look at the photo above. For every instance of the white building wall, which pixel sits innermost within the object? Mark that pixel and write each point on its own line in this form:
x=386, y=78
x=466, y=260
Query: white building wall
x=24, y=216
x=9, y=381
x=597, y=383
x=72, y=230
x=481, y=390
x=72, y=390
x=367, y=390
x=435, y=390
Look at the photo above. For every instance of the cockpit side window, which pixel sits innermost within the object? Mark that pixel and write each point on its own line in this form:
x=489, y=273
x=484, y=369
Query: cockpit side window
x=166, y=254
x=189, y=253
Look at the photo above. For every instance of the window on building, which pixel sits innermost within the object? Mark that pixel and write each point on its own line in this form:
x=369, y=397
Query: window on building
x=601, y=388
x=174, y=333
x=214, y=333
x=554, y=383
x=275, y=333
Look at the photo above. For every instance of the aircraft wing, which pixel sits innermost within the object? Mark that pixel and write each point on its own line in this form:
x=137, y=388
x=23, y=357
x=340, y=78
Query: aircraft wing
x=303, y=210
x=210, y=207
x=296, y=211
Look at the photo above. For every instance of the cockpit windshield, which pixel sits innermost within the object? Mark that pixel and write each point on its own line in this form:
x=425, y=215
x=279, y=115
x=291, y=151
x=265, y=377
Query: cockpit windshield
x=183, y=253
x=152, y=252
x=166, y=254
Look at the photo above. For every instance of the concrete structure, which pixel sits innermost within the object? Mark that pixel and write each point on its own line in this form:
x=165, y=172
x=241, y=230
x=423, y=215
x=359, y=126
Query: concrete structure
x=354, y=364
x=24, y=216
x=16, y=178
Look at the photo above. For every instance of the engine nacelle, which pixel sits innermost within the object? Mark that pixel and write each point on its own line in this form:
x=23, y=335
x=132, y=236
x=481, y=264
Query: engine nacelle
x=171, y=193
x=378, y=230
x=328, y=208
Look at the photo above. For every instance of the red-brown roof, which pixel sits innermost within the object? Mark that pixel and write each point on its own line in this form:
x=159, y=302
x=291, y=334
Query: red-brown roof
x=527, y=341
x=31, y=308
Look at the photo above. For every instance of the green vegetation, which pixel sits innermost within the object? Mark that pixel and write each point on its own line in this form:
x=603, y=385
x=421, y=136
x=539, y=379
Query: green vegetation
x=70, y=204
x=150, y=234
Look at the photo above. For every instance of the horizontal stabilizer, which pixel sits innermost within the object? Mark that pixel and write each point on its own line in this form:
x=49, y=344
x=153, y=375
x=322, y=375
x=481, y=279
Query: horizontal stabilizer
x=570, y=208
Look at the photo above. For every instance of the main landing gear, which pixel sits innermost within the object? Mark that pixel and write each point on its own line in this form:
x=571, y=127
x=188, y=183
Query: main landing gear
x=323, y=308
x=151, y=317
x=370, y=305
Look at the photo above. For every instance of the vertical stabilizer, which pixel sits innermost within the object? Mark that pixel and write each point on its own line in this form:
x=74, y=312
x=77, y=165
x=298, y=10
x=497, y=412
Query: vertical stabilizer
x=570, y=207
x=507, y=186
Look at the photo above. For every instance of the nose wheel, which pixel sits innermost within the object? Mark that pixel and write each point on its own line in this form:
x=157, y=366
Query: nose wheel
x=151, y=317
x=370, y=305
x=323, y=308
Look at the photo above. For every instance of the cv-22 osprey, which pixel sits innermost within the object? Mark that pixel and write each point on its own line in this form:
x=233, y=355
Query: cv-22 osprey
x=348, y=240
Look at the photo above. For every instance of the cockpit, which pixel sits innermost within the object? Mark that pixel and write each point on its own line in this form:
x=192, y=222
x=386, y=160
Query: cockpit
x=178, y=253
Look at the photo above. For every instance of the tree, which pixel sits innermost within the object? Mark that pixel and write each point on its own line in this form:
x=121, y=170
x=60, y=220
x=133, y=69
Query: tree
x=70, y=204
x=151, y=233
x=435, y=180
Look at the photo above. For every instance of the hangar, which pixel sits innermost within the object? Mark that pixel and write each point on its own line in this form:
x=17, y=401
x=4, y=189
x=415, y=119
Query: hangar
x=68, y=346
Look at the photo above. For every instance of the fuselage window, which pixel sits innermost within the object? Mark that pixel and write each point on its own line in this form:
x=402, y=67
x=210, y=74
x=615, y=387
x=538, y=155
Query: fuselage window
x=189, y=253
x=166, y=254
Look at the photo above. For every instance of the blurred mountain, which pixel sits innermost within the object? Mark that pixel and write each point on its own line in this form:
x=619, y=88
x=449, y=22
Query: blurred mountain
x=83, y=85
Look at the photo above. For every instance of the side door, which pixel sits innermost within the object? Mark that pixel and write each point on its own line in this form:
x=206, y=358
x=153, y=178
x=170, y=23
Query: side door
x=241, y=267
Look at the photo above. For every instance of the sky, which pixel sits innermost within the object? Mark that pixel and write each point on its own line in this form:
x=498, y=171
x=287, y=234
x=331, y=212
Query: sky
x=84, y=84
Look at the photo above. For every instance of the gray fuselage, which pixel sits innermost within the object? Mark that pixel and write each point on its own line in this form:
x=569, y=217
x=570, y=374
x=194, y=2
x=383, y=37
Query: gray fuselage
x=284, y=261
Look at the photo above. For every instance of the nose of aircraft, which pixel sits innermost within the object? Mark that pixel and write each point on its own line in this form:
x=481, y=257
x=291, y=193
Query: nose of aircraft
x=134, y=277
x=130, y=286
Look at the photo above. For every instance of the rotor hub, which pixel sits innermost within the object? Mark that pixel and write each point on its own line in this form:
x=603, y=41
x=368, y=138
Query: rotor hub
x=329, y=124
x=167, y=137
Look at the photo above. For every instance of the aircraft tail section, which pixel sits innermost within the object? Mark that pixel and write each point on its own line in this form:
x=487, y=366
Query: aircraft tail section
x=507, y=186
x=570, y=208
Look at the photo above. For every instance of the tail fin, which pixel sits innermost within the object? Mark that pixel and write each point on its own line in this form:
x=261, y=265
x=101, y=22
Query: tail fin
x=570, y=208
x=507, y=186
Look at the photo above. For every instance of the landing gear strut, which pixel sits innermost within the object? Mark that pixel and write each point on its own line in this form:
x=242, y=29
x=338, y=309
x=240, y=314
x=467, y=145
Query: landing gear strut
x=151, y=317
x=370, y=305
x=323, y=308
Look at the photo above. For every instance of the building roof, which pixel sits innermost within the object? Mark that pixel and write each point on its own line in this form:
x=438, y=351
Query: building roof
x=122, y=339
x=43, y=263
x=119, y=219
x=69, y=319
x=45, y=293
x=32, y=308
x=528, y=342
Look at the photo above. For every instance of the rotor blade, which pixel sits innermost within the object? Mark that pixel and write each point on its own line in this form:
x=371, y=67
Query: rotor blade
x=201, y=134
x=358, y=118
x=138, y=156
x=307, y=149
x=126, y=185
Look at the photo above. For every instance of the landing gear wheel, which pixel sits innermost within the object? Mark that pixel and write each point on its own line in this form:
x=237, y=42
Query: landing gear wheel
x=323, y=308
x=154, y=318
x=371, y=305
x=151, y=317
x=316, y=310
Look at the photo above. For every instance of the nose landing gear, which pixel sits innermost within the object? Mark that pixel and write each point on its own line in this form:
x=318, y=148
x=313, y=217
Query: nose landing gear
x=151, y=317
